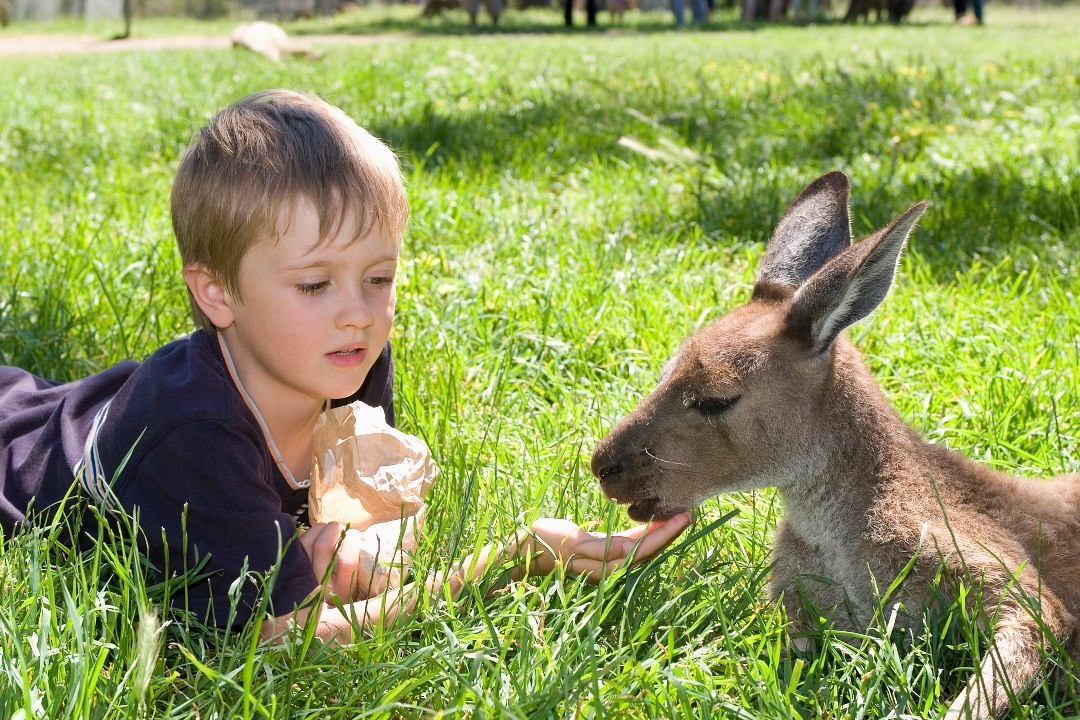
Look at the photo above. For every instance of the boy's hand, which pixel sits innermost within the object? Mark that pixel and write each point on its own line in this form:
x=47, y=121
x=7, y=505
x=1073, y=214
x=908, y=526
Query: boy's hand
x=549, y=542
x=593, y=554
x=348, y=579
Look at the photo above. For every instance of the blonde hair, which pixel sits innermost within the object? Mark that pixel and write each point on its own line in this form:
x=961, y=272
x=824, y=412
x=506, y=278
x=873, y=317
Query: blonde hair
x=256, y=158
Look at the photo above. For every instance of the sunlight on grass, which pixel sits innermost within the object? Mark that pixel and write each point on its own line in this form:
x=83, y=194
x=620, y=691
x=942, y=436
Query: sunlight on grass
x=581, y=202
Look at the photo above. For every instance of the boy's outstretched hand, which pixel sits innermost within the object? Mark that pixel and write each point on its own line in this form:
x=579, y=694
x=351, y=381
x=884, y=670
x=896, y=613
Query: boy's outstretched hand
x=595, y=555
x=548, y=544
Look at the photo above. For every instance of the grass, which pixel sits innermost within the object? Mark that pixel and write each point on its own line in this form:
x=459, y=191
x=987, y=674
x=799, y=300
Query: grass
x=550, y=271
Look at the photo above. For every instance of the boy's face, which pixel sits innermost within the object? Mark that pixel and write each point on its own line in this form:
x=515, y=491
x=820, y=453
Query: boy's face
x=312, y=320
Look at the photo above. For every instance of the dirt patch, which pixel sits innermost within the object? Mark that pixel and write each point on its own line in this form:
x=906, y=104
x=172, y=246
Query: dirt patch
x=59, y=44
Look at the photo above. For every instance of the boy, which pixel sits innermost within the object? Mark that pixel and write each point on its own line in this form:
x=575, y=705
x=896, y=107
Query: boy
x=289, y=219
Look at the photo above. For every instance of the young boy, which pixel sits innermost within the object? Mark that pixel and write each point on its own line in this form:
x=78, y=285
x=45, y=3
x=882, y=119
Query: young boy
x=289, y=218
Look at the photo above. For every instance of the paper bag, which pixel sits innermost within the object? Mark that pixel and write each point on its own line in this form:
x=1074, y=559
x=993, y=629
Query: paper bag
x=373, y=478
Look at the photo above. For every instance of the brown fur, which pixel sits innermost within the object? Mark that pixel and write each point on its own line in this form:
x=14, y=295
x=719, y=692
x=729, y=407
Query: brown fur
x=772, y=395
x=269, y=40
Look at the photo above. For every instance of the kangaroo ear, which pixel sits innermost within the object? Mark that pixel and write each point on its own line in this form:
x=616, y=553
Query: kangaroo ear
x=815, y=228
x=850, y=285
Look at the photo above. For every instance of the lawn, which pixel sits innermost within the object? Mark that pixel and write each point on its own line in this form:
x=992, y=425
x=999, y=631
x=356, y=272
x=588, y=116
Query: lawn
x=550, y=270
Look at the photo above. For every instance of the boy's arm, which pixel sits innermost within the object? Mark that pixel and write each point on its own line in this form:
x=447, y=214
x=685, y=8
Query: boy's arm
x=538, y=551
x=333, y=625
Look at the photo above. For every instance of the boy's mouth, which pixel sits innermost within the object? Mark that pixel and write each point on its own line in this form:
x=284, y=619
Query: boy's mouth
x=347, y=357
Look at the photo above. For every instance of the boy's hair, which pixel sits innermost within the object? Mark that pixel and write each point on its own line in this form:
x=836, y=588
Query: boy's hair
x=256, y=158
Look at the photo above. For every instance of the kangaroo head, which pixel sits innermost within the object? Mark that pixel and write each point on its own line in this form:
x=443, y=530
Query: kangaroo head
x=745, y=402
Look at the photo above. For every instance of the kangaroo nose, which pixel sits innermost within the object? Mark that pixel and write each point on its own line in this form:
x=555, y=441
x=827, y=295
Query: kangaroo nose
x=605, y=468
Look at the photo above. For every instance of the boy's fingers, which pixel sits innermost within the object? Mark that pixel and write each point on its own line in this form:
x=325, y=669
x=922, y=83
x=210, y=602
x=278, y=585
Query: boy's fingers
x=648, y=539
x=310, y=539
x=320, y=542
x=605, y=547
x=326, y=543
x=346, y=569
x=309, y=536
x=672, y=526
x=633, y=533
x=659, y=535
x=596, y=555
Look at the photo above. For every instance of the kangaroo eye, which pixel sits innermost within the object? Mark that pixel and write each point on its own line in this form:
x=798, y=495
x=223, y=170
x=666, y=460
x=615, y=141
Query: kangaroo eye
x=710, y=407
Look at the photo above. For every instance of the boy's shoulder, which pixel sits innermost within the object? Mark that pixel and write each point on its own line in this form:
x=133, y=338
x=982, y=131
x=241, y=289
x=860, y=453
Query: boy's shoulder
x=183, y=382
x=186, y=378
x=178, y=419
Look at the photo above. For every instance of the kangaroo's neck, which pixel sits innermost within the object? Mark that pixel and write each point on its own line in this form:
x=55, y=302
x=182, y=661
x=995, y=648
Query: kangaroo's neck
x=864, y=448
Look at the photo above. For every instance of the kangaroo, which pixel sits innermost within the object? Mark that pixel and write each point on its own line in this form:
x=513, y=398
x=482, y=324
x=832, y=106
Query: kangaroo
x=772, y=395
x=269, y=40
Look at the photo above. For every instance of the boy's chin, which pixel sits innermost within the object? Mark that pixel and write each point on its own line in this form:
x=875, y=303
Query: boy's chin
x=347, y=388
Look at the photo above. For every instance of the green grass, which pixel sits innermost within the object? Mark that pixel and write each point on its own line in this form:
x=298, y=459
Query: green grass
x=549, y=274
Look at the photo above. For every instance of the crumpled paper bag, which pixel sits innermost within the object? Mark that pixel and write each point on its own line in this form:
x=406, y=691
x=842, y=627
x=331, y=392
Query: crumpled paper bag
x=374, y=478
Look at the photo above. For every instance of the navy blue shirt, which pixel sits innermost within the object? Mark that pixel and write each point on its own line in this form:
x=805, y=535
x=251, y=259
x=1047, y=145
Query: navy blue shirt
x=198, y=477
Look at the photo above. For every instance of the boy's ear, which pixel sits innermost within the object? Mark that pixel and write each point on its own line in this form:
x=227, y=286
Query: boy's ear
x=209, y=294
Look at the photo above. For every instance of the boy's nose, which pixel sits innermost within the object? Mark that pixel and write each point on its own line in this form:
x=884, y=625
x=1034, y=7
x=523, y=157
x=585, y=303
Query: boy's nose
x=355, y=311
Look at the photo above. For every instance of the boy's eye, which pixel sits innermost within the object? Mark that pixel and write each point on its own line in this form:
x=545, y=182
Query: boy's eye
x=382, y=280
x=312, y=288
